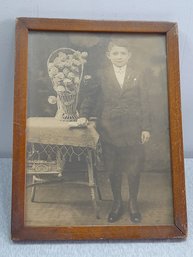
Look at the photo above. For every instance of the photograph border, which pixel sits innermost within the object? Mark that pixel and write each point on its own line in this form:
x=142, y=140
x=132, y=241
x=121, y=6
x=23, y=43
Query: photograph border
x=18, y=229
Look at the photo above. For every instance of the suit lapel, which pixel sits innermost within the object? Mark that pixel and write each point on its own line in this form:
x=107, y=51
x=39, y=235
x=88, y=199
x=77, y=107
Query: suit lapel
x=112, y=80
x=113, y=84
x=128, y=81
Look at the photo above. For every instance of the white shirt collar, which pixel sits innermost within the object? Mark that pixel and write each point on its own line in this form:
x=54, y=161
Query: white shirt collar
x=119, y=69
x=120, y=74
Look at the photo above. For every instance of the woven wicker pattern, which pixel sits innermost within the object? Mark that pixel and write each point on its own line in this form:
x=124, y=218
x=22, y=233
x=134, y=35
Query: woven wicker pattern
x=65, y=69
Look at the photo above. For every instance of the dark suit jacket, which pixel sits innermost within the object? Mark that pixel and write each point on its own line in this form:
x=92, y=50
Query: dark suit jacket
x=122, y=112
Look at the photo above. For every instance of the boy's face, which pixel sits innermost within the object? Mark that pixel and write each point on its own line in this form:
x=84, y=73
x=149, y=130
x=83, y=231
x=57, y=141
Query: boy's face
x=119, y=55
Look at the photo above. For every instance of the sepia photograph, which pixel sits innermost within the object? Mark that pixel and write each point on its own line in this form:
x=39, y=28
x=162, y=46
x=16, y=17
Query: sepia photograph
x=97, y=132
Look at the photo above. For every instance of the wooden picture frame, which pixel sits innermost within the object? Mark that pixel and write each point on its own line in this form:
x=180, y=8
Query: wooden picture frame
x=20, y=231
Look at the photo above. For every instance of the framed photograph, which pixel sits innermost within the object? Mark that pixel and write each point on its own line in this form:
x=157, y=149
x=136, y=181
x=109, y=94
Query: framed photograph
x=97, y=150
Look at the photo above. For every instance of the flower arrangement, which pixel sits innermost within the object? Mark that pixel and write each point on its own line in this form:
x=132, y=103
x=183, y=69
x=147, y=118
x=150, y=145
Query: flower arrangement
x=65, y=69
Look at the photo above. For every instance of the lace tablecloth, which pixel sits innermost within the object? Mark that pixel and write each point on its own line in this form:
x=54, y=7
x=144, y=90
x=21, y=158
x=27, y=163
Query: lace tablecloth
x=48, y=130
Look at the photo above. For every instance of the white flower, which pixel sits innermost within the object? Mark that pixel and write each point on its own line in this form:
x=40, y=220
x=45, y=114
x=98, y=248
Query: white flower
x=60, y=75
x=56, y=81
x=76, y=62
x=84, y=54
x=70, y=56
x=71, y=75
x=83, y=61
x=77, y=55
x=56, y=60
x=52, y=99
x=60, y=65
x=53, y=71
x=68, y=63
x=50, y=65
x=59, y=62
x=74, y=68
x=86, y=77
x=76, y=80
x=67, y=81
x=60, y=89
x=62, y=56
x=66, y=71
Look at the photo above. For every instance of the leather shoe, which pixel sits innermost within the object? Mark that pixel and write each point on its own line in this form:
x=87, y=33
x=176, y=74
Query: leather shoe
x=116, y=212
x=135, y=215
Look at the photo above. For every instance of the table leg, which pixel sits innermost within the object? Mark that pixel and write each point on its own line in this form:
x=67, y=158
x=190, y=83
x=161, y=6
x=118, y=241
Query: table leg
x=60, y=162
x=92, y=184
x=98, y=190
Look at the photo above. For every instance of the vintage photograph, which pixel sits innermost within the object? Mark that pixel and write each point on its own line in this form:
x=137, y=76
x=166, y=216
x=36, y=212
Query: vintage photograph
x=97, y=130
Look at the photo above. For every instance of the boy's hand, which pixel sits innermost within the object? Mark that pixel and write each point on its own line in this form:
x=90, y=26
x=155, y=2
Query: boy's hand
x=145, y=136
x=82, y=122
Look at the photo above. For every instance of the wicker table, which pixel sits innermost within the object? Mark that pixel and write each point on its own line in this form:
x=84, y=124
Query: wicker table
x=51, y=143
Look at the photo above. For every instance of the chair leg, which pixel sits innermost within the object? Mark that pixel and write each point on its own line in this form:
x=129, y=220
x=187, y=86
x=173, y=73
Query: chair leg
x=33, y=191
x=92, y=185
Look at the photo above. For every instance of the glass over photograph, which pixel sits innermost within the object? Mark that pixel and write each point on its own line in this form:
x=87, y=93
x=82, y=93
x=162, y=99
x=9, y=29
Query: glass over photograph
x=98, y=144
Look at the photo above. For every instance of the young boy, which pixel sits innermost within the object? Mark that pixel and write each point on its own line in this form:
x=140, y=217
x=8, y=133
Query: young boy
x=120, y=99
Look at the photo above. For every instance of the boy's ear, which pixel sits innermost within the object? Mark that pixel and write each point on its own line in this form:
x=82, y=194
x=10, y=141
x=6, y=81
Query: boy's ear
x=108, y=55
x=129, y=55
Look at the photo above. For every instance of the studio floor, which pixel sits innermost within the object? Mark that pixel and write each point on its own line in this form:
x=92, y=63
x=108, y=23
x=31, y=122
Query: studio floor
x=150, y=248
x=59, y=204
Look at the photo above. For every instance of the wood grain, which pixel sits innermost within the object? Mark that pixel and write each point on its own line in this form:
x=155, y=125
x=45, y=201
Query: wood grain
x=176, y=143
x=21, y=232
x=19, y=124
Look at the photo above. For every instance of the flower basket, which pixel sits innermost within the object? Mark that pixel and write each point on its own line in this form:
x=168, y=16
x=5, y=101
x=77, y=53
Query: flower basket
x=65, y=69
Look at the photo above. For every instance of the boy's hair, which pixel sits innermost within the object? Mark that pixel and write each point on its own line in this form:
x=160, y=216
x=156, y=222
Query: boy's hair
x=118, y=42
